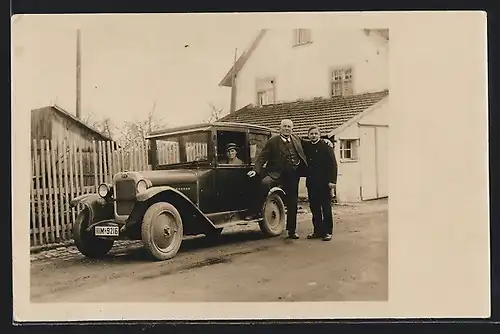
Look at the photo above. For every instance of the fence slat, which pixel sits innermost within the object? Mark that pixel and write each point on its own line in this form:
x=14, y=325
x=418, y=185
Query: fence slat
x=66, y=152
x=80, y=164
x=96, y=184
x=77, y=183
x=104, y=162
x=109, y=176
x=47, y=182
x=100, y=163
x=72, y=173
x=34, y=175
x=53, y=228
x=39, y=159
x=60, y=228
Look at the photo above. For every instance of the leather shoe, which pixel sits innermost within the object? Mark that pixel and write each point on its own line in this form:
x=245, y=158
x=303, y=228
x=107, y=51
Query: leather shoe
x=293, y=235
x=327, y=237
x=314, y=236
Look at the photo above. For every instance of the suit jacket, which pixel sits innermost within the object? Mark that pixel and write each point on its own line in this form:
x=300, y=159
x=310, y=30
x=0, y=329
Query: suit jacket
x=274, y=156
x=322, y=165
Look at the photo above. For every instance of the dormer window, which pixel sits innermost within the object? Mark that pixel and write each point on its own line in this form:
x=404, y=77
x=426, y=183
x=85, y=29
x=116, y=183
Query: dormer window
x=301, y=36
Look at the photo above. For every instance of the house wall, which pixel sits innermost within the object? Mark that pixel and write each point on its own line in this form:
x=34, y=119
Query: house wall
x=349, y=171
x=349, y=177
x=304, y=72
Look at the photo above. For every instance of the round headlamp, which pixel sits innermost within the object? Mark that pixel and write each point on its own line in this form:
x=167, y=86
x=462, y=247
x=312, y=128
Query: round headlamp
x=104, y=190
x=142, y=186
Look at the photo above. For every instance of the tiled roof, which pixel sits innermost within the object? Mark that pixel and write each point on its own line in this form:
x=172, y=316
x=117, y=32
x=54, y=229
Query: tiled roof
x=328, y=114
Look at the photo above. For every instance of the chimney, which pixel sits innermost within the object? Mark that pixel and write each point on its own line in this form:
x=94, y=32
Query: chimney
x=78, y=76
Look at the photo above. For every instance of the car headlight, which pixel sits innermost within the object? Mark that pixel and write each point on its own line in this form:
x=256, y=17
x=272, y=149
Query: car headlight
x=104, y=190
x=142, y=186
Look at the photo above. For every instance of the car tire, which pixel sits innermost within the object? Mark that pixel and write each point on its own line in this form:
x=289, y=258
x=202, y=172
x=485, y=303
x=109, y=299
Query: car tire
x=85, y=242
x=273, y=216
x=162, y=231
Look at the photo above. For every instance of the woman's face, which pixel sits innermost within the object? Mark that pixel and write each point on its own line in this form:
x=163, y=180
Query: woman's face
x=231, y=154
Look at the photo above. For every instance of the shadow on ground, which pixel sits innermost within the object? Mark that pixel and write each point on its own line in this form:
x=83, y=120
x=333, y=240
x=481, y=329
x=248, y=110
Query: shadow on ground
x=137, y=253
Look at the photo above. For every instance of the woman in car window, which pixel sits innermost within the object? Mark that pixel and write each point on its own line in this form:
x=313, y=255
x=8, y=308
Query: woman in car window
x=231, y=151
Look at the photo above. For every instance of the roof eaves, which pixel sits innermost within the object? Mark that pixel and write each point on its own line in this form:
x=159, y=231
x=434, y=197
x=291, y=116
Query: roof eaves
x=242, y=59
x=74, y=118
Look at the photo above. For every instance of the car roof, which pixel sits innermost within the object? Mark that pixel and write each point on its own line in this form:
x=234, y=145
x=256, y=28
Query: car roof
x=205, y=127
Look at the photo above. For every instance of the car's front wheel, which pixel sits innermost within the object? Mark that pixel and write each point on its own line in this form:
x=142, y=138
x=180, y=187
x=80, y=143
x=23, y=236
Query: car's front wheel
x=162, y=231
x=273, y=216
x=85, y=241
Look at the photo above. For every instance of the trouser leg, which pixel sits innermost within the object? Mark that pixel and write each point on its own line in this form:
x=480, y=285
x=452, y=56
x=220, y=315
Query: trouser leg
x=291, y=185
x=315, y=206
x=326, y=206
x=265, y=185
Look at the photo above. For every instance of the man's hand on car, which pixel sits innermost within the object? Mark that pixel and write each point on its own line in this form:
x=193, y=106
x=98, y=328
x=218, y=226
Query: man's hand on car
x=251, y=173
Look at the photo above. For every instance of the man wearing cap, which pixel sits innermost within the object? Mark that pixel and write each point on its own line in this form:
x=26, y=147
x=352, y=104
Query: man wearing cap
x=231, y=151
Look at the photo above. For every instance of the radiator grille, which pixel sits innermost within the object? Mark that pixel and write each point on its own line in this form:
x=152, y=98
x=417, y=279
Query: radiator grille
x=125, y=196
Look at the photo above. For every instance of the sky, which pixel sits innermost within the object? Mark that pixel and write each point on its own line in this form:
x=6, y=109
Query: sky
x=129, y=64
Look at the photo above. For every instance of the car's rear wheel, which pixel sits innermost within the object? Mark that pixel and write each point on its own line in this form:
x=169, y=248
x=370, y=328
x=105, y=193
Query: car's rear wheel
x=85, y=241
x=162, y=231
x=273, y=216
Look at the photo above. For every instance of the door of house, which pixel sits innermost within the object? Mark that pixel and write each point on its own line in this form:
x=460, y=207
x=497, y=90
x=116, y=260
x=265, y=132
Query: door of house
x=373, y=161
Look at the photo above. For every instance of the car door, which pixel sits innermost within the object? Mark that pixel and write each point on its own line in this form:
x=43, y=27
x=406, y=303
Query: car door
x=231, y=180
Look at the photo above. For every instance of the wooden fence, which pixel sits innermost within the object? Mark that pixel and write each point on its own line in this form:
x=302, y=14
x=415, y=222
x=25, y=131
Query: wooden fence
x=62, y=170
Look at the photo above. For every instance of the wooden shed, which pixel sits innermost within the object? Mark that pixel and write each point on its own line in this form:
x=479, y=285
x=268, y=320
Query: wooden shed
x=55, y=124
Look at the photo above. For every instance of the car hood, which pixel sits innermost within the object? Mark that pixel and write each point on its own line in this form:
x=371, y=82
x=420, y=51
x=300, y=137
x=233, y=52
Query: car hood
x=172, y=176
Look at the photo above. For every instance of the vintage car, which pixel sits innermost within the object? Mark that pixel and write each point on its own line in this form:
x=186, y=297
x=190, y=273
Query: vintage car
x=191, y=189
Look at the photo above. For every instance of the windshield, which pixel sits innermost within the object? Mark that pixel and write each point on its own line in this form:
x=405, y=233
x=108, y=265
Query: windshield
x=182, y=148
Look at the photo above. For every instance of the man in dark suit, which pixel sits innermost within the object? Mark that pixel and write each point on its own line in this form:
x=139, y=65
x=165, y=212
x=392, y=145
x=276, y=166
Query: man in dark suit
x=321, y=180
x=286, y=163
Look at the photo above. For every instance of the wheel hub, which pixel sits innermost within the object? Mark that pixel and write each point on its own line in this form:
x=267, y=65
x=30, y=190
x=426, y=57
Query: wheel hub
x=164, y=230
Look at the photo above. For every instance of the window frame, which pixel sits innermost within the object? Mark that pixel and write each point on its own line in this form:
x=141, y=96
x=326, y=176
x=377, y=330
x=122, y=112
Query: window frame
x=343, y=80
x=354, y=146
x=259, y=82
x=297, y=37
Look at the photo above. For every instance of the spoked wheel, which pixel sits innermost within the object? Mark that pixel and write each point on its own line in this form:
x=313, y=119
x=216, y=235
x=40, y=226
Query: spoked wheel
x=162, y=231
x=273, y=214
x=86, y=242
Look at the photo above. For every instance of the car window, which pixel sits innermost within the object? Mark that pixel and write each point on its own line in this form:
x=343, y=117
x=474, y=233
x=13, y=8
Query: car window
x=236, y=139
x=182, y=148
x=257, y=143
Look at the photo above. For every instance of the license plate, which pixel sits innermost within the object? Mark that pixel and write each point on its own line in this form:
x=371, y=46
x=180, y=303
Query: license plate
x=107, y=231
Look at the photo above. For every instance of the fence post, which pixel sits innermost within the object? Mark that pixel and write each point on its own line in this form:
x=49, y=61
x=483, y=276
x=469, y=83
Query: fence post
x=66, y=188
x=61, y=228
x=96, y=183
x=33, y=189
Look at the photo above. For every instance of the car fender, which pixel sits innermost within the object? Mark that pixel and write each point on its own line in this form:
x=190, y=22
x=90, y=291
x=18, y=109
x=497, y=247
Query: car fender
x=99, y=208
x=276, y=190
x=177, y=198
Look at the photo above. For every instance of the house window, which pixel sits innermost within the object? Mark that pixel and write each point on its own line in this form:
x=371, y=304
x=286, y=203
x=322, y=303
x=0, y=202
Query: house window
x=348, y=149
x=265, y=91
x=301, y=36
x=342, y=82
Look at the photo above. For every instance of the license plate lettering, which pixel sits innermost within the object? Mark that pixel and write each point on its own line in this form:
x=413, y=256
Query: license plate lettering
x=107, y=231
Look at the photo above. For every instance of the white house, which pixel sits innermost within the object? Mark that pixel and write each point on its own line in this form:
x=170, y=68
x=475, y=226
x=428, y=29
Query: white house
x=337, y=79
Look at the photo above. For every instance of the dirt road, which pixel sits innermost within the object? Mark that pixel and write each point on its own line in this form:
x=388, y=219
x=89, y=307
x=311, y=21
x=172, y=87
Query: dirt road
x=242, y=266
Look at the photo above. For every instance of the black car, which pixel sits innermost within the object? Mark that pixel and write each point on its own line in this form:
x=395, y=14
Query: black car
x=192, y=189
